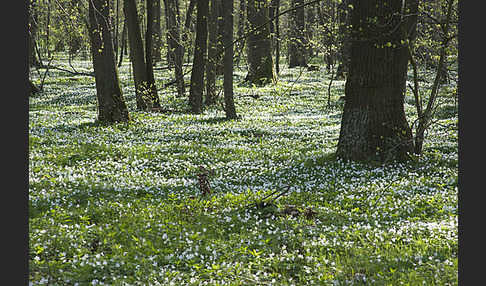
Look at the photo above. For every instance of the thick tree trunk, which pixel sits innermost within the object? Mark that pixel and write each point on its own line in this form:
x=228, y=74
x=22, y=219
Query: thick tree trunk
x=111, y=105
x=199, y=60
x=259, y=50
x=137, y=57
x=175, y=48
x=149, y=63
x=228, y=59
x=373, y=124
x=297, y=45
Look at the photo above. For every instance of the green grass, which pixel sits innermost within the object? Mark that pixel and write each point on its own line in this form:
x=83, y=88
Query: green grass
x=120, y=204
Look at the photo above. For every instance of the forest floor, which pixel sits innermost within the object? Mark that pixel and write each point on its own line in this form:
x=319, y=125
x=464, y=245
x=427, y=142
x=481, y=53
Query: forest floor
x=121, y=205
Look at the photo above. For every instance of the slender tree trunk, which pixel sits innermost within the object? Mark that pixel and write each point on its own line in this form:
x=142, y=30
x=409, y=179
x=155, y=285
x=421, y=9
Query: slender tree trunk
x=116, y=37
x=310, y=21
x=297, y=50
x=32, y=34
x=344, y=40
x=240, y=45
x=213, y=57
x=123, y=42
x=373, y=124
x=277, y=37
x=200, y=47
x=228, y=59
x=111, y=105
x=259, y=50
x=157, y=39
x=48, y=28
x=30, y=37
x=425, y=116
x=188, y=28
x=149, y=65
x=137, y=57
x=175, y=48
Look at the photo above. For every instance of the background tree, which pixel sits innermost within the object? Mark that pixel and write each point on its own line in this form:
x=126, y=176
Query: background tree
x=214, y=50
x=175, y=49
x=199, y=60
x=259, y=43
x=149, y=65
x=297, y=42
x=157, y=33
x=111, y=105
x=444, y=27
x=137, y=55
x=373, y=124
x=229, y=105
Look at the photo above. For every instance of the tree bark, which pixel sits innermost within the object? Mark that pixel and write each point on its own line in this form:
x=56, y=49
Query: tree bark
x=229, y=104
x=373, y=125
x=259, y=50
x=199, y=60
x=297, y=50
x=111, y=105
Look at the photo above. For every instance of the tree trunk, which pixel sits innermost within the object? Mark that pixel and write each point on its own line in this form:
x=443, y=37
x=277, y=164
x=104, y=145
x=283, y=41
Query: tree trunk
x=344, y=40
x=228, y=59
x=142, y=92
x=297, y=50
x=175, y=48
x=213, y=57
x=157, y=35
x=111, y=105
x=33, y=62
x=240, y=45
x=123, y=43
x=149, y=65
x=199, y=60
x=373, y=124
x=277, y=37
x=259, y=50
x=425, y=116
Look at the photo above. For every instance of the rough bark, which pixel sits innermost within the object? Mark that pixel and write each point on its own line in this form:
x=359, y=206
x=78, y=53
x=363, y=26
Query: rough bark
x=229, y=104
x=199, y=60
x=297, y=45
x=259, y=48
x=111, y=105
x=373, y=124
